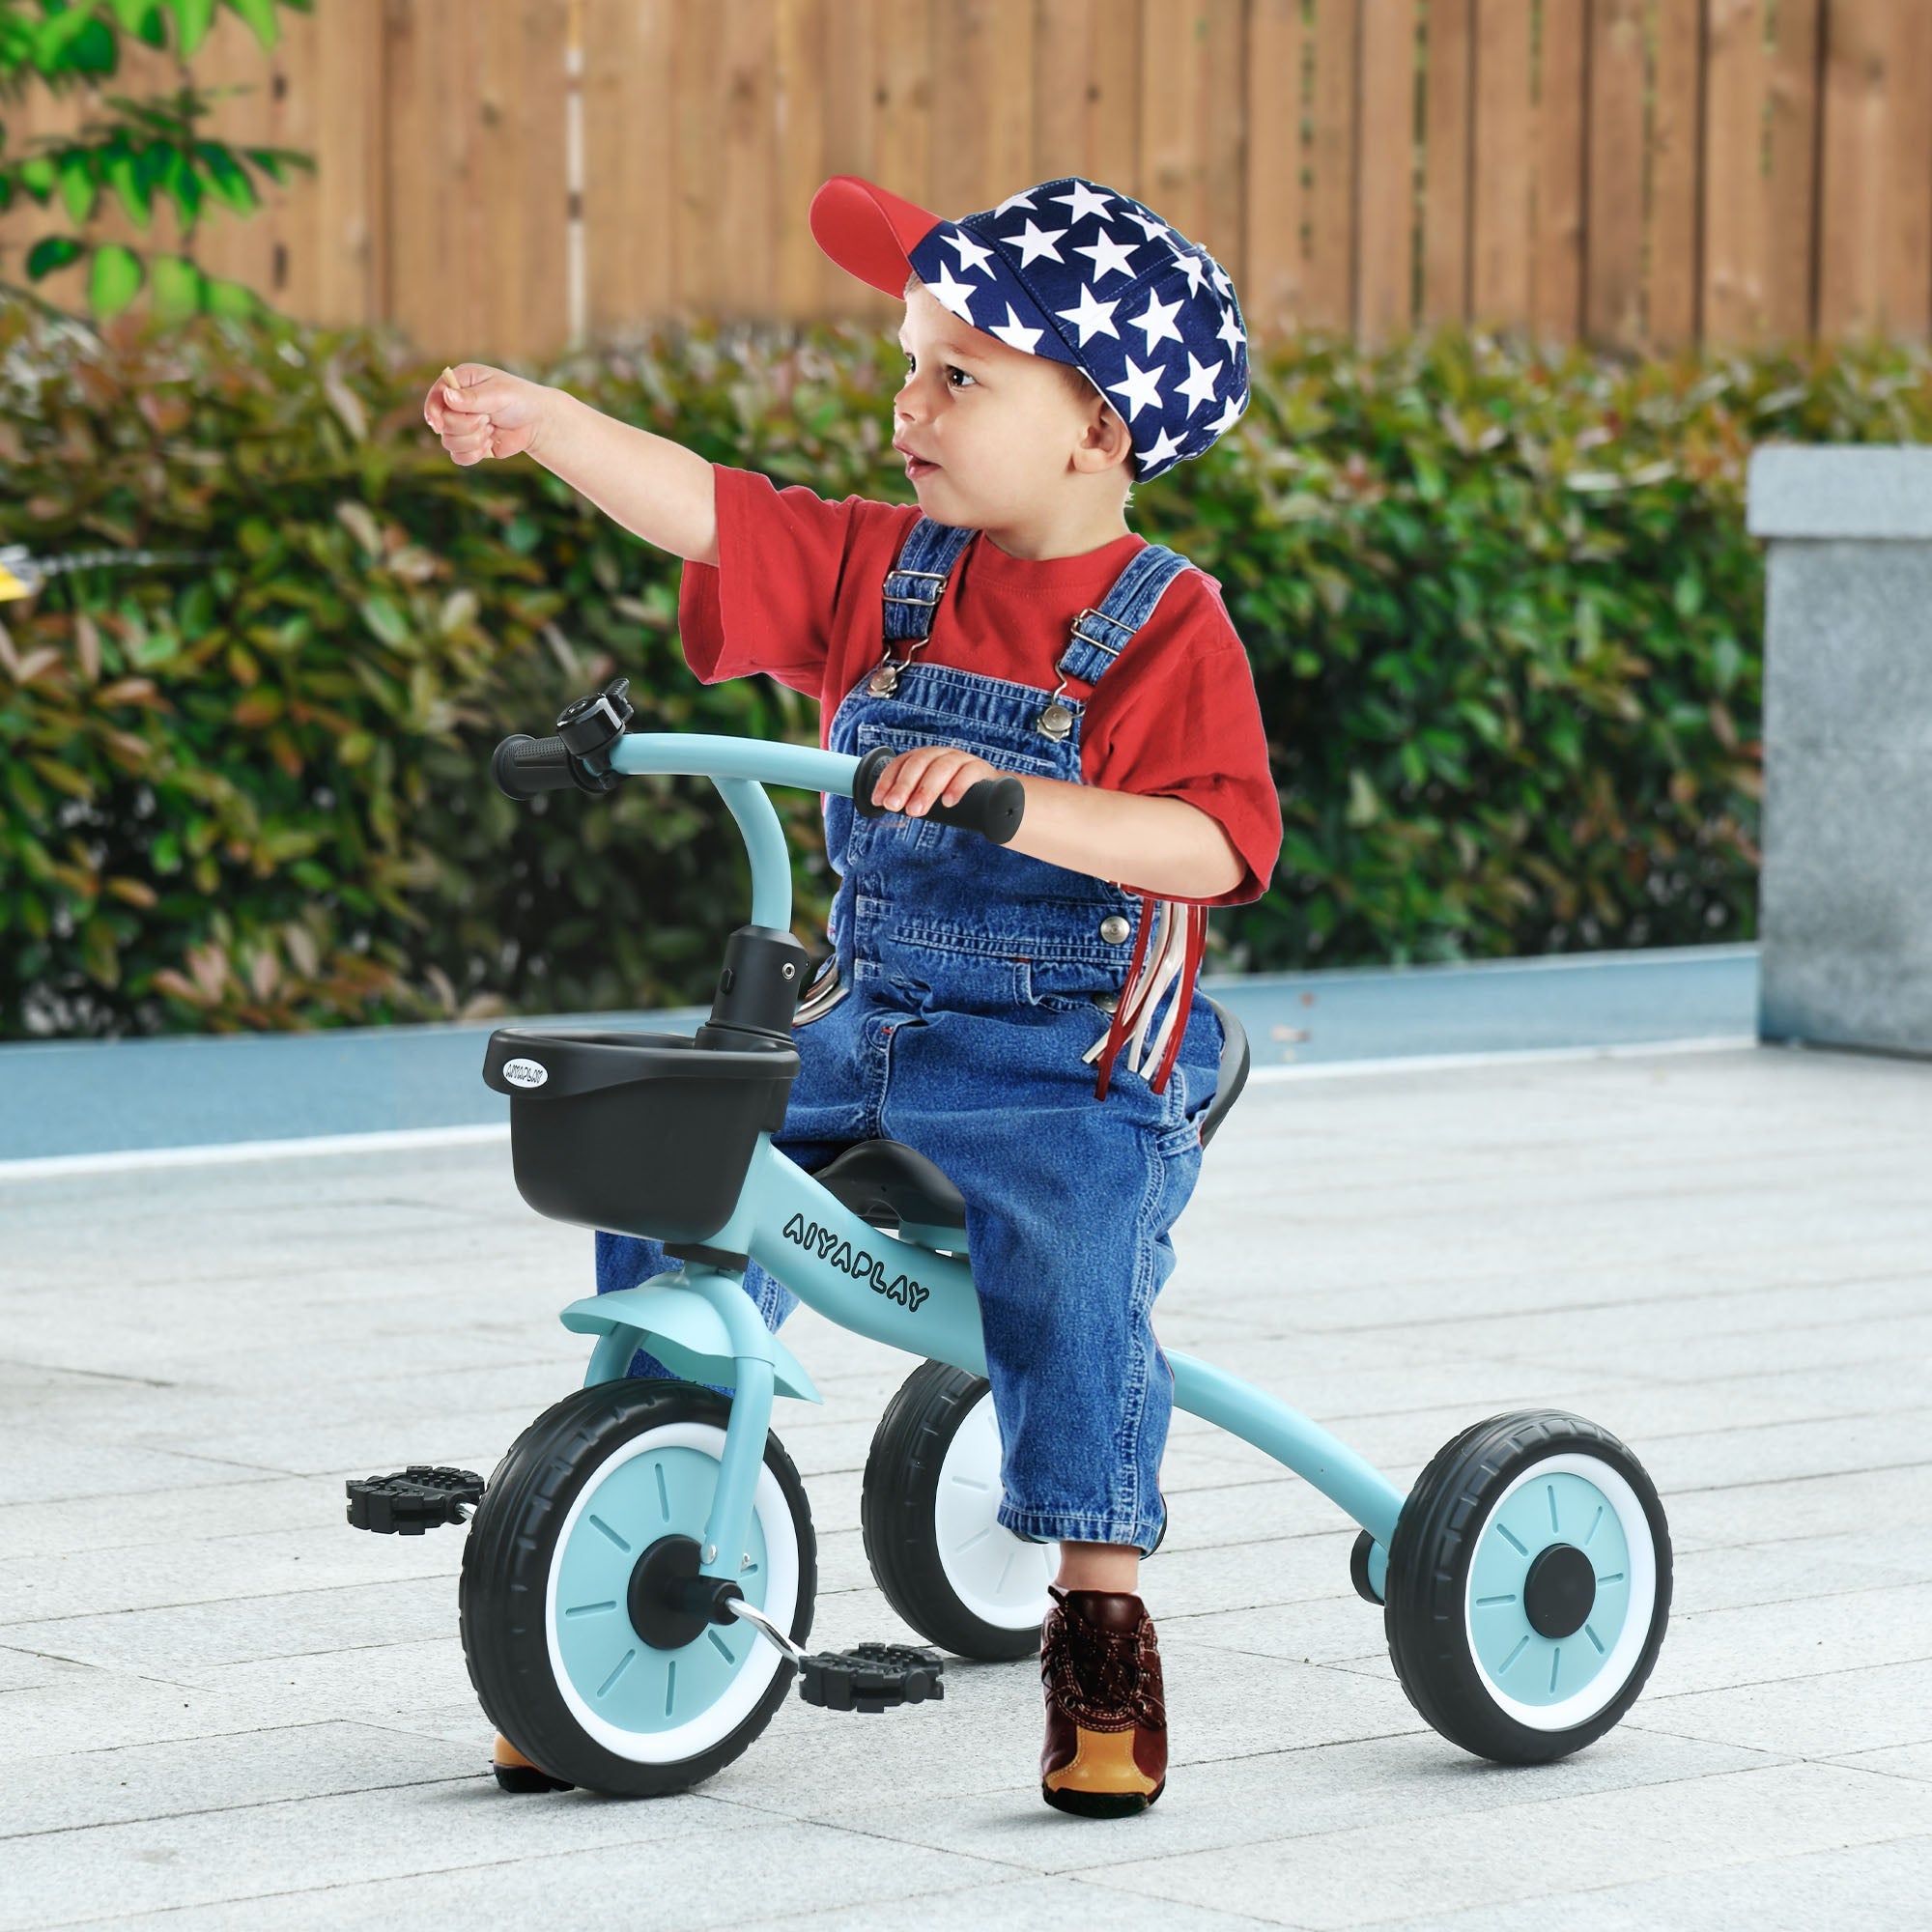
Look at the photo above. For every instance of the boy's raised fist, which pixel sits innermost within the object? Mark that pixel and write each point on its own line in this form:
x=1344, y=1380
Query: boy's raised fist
x=481, y=411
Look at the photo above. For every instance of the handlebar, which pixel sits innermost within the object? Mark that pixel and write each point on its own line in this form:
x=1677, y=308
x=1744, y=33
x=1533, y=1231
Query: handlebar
x=592, y=750
x=524, y=766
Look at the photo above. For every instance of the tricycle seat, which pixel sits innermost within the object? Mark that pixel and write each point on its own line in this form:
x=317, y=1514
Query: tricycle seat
x=885, y=1183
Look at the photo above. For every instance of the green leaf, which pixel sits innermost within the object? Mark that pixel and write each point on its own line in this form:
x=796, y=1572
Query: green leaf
x=50, y=254
x=261, y=16
x=125, y=178
x=387, y=622
x=78, y=188
x=115, y=279
x=230, y=298
x=193, y=18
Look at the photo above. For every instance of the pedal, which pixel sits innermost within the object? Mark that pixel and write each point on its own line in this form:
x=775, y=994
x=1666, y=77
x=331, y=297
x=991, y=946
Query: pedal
x=872, y=1677
x=413, y=1501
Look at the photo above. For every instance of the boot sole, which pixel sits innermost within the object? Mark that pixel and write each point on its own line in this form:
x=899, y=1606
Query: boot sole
x=1101, y=1804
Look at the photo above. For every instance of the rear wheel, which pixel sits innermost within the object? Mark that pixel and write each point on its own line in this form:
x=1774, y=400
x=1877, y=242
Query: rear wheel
x=597, y=1506
x=1528, y=1586
x=937, y=1549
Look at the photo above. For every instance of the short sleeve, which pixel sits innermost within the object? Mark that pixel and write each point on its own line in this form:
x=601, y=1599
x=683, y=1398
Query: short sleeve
x=766, y=604
x=1189, y=727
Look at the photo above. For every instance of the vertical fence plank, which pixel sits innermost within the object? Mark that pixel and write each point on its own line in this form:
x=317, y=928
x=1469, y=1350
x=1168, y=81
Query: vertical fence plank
x=231, y=70
x=1556, y=271
x=902, y=131
x=1451, y=28
x=1676, y=155
x=1220, y=113
x=799, y=106
x=1063, y=85
x=851, y=125
x=982, y=114
x=1908, y=174
x=1499, y=226
x=1613, y=202
x=1791, y=207
x=1385, y=168
x=1173, y=74
x=1851, y=269
x=338, y=112
x=1734, y=295
x=436, y=213
x=1329, y=299
x=1087, y=85
x=1271, y=289
x=630, y=170
x=524, y=173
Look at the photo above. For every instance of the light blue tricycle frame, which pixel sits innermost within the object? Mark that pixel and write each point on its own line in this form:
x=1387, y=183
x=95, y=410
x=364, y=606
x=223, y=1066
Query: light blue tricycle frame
x=700, y=1323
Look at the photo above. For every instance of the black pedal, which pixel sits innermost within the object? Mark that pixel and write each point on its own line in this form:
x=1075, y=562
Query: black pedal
x=414, y=1499
x=872, y=1677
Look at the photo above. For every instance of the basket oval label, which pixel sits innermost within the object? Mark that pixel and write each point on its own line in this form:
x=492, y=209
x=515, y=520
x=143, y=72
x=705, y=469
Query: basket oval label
x=525, y=1072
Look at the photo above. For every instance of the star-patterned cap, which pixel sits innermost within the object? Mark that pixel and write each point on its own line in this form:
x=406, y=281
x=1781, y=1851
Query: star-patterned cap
x=1076, y=272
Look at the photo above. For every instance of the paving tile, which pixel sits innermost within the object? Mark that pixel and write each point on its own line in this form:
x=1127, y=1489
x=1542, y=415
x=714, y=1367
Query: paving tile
x=1898, y=1761
x=1865, y=1885
x=109, y=1787
x=445, y=1827
x=1805, y=1637
x=1825, y=1716
x=1377, y=1874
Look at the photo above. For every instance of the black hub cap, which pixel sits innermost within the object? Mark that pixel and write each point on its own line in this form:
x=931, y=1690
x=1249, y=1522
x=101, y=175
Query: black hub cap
x=1560, y=1591
x=656, y=1600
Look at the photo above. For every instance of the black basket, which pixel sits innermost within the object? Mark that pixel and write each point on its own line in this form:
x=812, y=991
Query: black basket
x=642, y=1133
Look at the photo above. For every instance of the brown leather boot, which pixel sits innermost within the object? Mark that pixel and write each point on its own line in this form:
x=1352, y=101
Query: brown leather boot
x=516, y=1773
x=1106, y=1715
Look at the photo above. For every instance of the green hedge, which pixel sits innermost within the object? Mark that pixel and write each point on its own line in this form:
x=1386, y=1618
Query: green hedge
x=1501, y=607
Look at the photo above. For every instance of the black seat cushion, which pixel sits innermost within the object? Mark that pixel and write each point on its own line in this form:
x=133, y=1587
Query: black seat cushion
x=887, y=1181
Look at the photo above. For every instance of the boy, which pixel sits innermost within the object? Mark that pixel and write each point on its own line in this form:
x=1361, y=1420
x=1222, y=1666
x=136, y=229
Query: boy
x=1059, y=347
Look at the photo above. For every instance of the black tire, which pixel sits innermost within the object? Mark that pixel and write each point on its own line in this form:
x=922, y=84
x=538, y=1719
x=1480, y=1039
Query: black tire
x=1358, y=1569
x=506, y=1573
x=899, y=1513
x=1429, y=1613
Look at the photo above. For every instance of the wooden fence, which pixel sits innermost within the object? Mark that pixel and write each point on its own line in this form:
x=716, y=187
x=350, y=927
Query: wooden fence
x=500, y=177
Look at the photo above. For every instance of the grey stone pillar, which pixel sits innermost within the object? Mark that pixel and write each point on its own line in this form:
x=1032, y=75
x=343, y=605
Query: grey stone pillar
x=1845, y=901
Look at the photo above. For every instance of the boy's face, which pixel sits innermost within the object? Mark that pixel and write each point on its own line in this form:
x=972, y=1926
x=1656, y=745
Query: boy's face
x=989, y=433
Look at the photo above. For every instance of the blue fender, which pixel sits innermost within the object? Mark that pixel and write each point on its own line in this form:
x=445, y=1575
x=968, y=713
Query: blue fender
x=683, y=1326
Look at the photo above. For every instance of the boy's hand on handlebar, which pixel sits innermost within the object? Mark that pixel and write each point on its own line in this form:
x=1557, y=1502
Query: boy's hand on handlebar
x=930, y=775
x=481, y=411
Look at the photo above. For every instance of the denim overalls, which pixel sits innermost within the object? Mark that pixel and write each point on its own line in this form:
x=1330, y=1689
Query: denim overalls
x=970, y=983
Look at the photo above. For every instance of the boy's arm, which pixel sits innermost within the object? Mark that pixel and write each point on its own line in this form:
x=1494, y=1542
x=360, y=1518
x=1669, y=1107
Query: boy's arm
x=1163, y=846
x=657, y=489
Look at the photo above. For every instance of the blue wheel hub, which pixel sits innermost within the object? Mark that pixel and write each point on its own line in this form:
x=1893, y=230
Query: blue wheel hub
x=657, y=1675
x=1549, y=1588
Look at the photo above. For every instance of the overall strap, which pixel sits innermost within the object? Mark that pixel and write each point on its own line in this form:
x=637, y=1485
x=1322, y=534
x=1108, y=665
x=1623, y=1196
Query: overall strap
x=1171, y=965
x=1102, y=632
x=916, y=583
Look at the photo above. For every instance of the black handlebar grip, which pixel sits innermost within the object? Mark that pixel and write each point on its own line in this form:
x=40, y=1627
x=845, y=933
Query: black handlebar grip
x=524, y=766
x=993, y=808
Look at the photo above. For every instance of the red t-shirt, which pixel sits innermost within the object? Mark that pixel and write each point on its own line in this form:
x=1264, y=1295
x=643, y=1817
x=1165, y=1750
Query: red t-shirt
x=796, y=594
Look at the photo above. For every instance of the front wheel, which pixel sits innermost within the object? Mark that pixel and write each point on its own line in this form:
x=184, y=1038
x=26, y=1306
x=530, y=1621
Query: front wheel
x=601, y=1500
x=1528, y=1586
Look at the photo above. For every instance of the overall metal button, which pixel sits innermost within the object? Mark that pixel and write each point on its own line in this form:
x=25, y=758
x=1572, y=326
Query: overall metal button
x=1107, y=1002
x=1114, y=928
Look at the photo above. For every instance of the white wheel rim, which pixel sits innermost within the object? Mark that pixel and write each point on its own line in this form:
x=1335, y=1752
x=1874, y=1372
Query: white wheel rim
x=718, y=1720
x=999, y=1577
x=1615, y=1670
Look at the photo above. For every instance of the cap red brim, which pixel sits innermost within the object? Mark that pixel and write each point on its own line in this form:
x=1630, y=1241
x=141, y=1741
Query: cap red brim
x=868, y=232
